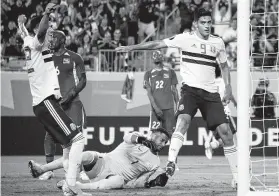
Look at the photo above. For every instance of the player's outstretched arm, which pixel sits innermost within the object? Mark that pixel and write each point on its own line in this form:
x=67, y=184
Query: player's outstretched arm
x=44, y=23
x=152, y=45
x=137, y=138
x=21, y=25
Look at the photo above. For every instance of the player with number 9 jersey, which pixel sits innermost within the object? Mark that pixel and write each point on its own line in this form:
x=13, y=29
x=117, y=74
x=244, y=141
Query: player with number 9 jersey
x=160, y=84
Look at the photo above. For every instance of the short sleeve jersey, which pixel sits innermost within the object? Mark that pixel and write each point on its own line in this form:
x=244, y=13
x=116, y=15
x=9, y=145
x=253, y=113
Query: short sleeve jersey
x=41, y=71
x=198, y=58
x=160, y=82
x=131, y=160
x=69, y=67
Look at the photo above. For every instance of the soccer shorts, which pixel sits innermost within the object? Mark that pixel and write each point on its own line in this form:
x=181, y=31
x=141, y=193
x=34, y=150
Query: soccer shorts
x=77, y=113
x=232, y=124
x=168, y=123
x=55, y=120
x=209, y=104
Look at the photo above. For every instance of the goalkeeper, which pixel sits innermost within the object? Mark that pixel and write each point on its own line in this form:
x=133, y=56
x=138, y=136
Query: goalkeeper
x=129, y=165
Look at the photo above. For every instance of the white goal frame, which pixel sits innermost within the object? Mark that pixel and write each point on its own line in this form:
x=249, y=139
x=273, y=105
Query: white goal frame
x=243, y=95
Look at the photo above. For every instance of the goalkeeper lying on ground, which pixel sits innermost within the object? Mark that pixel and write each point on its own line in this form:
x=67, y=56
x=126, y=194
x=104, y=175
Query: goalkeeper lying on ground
x=131, y=164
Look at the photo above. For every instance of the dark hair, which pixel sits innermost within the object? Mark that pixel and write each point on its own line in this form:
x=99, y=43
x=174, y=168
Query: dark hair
x=201, y=12
x=161, y=130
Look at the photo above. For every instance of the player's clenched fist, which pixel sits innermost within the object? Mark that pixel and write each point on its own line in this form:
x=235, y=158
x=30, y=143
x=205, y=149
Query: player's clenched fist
x=159, y=113
x=228, y=95
x=21, y=19
x=50, y=8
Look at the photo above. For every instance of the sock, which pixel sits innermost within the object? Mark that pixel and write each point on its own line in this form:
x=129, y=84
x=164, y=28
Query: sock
x=56, y=164
x=231, y=155
x=75, y=157
x=66, y=152
x=176, y=143
x=50, y=147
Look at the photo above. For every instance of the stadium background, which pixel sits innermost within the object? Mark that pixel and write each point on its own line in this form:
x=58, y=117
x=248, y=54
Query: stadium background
x=85, y=23
x=93, y=29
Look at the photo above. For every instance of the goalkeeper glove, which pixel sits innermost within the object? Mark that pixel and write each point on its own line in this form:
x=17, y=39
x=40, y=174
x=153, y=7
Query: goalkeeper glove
x=160, y=180
x=150, y=144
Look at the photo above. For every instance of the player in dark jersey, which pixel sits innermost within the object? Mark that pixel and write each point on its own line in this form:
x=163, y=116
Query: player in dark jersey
x=72, y=80
x=160, y=84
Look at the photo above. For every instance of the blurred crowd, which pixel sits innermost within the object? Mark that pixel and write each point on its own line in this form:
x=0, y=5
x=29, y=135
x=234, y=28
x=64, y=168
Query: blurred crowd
x=94, y=25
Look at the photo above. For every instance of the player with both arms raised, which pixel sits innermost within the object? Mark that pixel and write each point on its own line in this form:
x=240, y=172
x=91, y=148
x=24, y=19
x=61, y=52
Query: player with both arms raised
x=200, y=52
x=46, y=94
x=72, y=80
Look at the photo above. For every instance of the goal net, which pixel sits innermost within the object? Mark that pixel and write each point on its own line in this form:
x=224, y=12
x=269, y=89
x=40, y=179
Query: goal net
x=258, y=95
x=264, y=112
x=258, y=117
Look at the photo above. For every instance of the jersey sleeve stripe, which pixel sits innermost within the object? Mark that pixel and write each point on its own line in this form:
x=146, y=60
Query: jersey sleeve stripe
x=199, y=62
x=46, y=52
x=46, y=60
x=199, y=55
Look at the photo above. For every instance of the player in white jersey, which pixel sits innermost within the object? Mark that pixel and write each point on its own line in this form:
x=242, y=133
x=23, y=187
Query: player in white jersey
x=46, y=94
x=130, y=164
x=216, y=140
x=200, y=52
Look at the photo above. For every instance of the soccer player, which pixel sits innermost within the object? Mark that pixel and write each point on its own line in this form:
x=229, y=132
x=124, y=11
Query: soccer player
x=216, y=140
x=130, y=164
x=72, y=80
x=200, y=52
x=46, y=94
x=160, y=84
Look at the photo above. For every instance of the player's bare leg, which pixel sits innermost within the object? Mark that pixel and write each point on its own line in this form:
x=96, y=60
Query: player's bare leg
x=177, y=139
x=230, y=150
x=50, y=148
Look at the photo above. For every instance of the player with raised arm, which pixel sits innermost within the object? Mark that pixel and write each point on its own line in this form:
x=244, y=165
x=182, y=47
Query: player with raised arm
x=216, y=140
x=46, y=94
x=199, y=54
x=72, y=80
x=130, y=164
x=160, y=83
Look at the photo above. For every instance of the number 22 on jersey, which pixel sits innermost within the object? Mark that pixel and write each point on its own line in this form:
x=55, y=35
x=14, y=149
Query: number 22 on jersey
x=159, y=84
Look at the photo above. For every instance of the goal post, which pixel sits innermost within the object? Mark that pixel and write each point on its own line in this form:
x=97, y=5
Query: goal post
x=243, y=94
x=245, y=83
